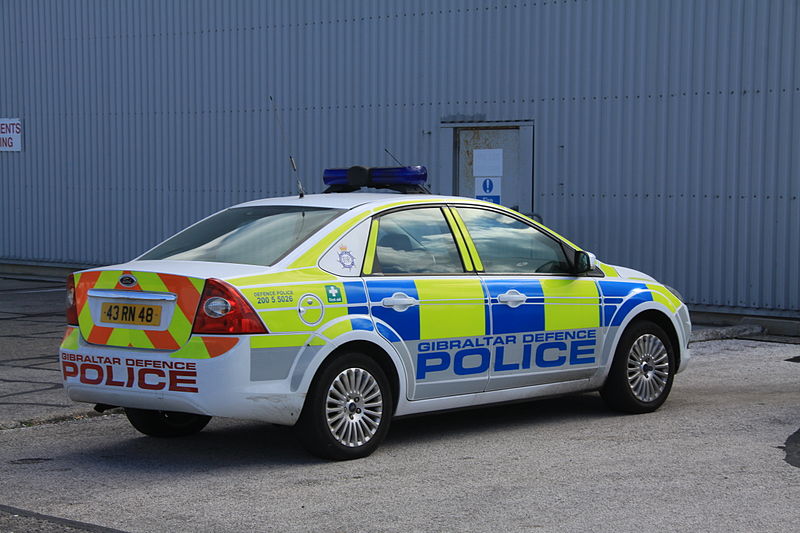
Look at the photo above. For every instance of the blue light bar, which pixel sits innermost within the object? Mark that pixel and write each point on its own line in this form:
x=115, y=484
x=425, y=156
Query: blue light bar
x=399, y=175
x=416, y=175
x=335, y=176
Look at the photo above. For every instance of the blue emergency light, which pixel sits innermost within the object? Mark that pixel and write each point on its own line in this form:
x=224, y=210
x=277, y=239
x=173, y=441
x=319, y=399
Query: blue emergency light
x=403, y=179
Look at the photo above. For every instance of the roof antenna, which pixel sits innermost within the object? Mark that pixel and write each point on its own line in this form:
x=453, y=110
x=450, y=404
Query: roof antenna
x=301, y=191
x=393, y=157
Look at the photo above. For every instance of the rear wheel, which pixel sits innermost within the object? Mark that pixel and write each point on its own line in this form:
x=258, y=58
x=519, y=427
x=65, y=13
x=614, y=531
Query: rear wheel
x=166, y=423
x=348, y=409
x=641, y=374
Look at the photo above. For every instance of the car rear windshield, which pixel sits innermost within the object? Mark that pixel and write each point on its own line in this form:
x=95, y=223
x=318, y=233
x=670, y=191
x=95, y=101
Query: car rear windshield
x=258, y=235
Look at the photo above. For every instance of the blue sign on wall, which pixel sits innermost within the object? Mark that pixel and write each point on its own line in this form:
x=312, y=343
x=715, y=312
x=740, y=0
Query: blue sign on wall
x=488, y=189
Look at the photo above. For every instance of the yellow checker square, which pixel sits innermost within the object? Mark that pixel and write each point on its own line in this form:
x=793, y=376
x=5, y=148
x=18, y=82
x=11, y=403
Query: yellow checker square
x=570, y=304
x=451, y=308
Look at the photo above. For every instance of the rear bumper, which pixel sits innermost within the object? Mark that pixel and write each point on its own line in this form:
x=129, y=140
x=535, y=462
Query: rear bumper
x=148, y=379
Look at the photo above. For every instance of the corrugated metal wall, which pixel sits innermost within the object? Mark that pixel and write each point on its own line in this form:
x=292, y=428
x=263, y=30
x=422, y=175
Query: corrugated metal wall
x=666, y=133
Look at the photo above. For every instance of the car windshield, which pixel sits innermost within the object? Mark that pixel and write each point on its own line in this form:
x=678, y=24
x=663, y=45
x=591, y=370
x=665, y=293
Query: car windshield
x=257, y=235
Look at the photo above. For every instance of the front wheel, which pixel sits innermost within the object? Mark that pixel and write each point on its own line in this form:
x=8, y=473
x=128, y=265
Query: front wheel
x=348, y=409
x=642, y=371
x=166, y=423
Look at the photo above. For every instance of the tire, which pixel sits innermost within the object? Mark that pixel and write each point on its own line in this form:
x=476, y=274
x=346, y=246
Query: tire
x=348, y=409
x=641, y=374
x=166, y=424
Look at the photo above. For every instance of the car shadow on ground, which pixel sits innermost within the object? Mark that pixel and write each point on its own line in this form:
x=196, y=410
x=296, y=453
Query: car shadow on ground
x=225, y=443
x=235, y=443
x=531, y=414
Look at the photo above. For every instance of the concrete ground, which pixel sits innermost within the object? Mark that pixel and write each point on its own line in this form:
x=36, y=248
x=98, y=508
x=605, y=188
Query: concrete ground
x=723, y=454
x=31, y=329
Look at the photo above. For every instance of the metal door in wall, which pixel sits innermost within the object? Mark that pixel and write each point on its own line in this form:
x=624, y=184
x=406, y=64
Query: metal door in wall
x=495, y=163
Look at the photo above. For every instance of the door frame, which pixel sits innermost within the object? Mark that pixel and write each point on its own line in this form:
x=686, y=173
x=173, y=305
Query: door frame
x=449, y=147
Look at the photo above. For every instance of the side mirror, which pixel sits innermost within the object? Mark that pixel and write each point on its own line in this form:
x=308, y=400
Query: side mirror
x=584, y=262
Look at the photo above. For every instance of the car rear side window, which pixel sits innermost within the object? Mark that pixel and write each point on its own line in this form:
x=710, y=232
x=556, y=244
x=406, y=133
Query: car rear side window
x=509, y=246
x=257, y=235
x=416, y=241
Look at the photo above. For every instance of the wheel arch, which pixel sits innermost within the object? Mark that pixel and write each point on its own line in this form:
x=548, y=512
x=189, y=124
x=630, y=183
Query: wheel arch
x=664, y=322
x=374, y=351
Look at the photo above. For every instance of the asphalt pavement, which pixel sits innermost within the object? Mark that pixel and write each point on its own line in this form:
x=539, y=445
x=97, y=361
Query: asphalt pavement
x=723, y=454
x=31, y=329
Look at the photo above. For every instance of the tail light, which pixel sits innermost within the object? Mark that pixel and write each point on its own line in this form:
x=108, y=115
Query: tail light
x=223, y=310
x=72, y=306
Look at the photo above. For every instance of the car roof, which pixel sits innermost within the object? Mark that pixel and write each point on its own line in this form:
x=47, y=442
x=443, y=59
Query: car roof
x=350, y=200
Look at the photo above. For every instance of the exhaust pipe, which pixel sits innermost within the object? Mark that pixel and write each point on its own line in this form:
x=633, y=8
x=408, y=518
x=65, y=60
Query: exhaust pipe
x=102, y=407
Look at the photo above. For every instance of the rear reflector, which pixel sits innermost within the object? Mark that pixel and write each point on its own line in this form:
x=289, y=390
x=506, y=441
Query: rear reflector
x=72, y=305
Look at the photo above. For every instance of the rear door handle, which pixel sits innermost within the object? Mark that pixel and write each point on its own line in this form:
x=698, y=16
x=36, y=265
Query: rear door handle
x=512, y=298
x=399, y=301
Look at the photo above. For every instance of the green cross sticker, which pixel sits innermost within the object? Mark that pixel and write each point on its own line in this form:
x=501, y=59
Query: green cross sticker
x=334, y=294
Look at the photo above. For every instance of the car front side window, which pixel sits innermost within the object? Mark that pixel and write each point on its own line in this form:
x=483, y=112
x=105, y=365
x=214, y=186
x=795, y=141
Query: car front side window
x=507, y=245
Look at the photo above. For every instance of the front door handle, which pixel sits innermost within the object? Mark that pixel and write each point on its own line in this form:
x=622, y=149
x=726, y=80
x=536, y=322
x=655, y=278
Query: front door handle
x=512, y=298
x=399, y=301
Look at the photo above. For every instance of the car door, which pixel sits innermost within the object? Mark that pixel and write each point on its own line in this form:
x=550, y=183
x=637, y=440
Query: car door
x=427, y=300
x=544, y=320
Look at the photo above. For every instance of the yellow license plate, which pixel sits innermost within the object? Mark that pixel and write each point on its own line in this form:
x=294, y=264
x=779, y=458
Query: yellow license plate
x=131, y=314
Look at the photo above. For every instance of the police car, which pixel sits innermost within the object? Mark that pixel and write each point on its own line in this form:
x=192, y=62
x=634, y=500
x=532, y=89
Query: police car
x=336, y=312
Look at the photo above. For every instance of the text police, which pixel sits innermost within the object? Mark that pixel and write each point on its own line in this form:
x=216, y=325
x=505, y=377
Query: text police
x=475, y=355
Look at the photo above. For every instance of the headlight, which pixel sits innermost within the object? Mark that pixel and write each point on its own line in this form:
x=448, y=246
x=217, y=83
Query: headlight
x=674, y=292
